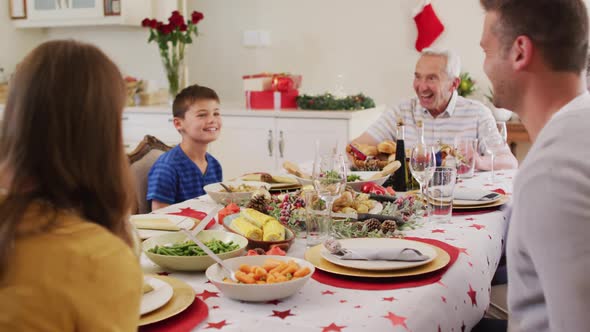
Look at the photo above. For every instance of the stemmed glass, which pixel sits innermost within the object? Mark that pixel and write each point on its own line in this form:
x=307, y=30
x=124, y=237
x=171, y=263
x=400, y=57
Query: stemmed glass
x=501, y=125
x=329, y=179
x=422, y=163
x=492, y=145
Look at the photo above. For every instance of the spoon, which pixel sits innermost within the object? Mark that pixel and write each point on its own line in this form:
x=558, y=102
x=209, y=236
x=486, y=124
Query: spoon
x=225, y=187
x=387, y=170
x=232, y=274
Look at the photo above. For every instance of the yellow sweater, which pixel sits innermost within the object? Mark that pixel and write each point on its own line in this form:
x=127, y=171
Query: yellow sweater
x=75, y=276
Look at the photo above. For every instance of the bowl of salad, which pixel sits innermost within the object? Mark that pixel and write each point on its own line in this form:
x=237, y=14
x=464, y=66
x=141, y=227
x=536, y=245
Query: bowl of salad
x=176, y=252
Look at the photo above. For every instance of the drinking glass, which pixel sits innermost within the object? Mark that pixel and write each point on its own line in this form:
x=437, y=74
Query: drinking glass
x=329, y=181
x=439, y=193
x=422, y=161
x=465, y=150
x=492, y=145
x=501, y=125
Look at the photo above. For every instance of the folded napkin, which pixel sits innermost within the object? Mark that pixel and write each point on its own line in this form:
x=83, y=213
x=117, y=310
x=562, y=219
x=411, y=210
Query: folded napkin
x=161, y=223
x=471, y=194
x=383, y=254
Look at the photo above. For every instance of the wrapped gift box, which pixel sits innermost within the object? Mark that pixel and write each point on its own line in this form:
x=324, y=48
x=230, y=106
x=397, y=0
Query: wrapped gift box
x=268, y=100
x=269, y=81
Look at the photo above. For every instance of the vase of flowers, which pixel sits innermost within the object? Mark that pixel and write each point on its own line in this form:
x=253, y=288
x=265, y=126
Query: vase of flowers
x=172, y=38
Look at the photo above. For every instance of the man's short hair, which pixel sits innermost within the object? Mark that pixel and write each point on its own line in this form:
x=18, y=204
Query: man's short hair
x=558, y=28
x=188, y=96
x=453, y=67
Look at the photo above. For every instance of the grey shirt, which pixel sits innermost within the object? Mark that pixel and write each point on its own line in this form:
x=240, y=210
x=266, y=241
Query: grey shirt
x=548, y=251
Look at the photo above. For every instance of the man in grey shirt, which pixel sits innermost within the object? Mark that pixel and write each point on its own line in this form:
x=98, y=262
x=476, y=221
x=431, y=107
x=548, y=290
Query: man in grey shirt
x=535, y=55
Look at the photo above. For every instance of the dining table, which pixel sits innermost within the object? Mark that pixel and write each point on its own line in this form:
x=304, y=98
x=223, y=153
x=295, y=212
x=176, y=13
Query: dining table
x=455, y=303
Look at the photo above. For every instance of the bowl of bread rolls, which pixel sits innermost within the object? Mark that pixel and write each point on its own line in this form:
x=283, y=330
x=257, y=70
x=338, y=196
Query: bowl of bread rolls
x=366, y=157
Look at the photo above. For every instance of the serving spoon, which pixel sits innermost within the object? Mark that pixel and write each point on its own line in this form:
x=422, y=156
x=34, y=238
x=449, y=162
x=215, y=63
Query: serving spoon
x=228, y=270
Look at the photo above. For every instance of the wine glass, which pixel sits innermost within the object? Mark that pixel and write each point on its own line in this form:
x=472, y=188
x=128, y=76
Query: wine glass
x=329, y=179
x=492, y=145
x=422, y=163
x=501, y=125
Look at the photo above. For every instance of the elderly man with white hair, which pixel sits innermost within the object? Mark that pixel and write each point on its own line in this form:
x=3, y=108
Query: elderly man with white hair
x=444, y=114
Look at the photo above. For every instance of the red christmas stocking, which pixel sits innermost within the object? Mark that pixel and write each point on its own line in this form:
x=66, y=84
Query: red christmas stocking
x=428, y=24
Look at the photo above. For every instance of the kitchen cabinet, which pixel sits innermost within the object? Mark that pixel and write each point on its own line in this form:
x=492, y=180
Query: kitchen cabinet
x=141, y=121
x=255, y=141
x=63, y=13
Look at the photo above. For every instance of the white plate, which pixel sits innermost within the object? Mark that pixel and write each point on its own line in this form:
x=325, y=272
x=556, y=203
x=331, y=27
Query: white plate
x=179, y=221
x=463, y=202
x=155, y=299
x=424, y=248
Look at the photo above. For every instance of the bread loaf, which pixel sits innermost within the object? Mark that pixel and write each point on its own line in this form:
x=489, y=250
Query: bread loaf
x=386, y=147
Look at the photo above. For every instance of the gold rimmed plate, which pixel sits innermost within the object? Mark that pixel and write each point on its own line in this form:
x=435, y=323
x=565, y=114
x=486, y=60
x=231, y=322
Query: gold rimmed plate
x=183, y=297
x=505, y=199
x=314, y=256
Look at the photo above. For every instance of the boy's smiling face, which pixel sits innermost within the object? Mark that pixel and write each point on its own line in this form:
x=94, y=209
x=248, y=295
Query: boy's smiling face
x=201, y=123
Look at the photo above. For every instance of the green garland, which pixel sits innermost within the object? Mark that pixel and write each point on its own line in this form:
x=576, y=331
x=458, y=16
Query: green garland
x=328, y=101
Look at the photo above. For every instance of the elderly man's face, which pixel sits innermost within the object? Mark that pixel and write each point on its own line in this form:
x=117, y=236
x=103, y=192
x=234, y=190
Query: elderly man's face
x=432, y=84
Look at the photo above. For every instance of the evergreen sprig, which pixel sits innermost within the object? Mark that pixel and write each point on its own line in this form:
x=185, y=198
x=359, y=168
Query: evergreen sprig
x=328, y=101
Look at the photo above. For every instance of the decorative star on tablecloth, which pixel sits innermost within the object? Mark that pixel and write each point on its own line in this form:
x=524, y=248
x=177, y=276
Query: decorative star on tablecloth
x=215, y=307
x=343, y=301
x=463, y=250
x=463, y=326
x=472, y=295
x=490, y=236
x=389, y=299
x=442, y=284
x=333, y=327
x=275, y=302
x=470, y=264
x=281, y=314
x=396, y=320
x=328, y=292
x=444, y=299
x=470, y=219
x=478, y=226
x=357, y=307
x=438, y=231
x=218, y=325
x=207, y=294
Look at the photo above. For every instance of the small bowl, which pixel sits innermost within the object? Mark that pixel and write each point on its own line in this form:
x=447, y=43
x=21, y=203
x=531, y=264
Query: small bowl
x=219, y=195
x=501, y=114
x=255, y=292
x=265, y=245
x=192, y=263
x=356, y=186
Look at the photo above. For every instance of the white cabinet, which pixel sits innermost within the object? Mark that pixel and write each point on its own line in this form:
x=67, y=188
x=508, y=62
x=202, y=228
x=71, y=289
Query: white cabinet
x=137, y=123
x=63, y=13
x=251, y=142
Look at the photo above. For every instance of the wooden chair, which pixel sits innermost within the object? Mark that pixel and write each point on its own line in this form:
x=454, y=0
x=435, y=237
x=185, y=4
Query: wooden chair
x=142, y=158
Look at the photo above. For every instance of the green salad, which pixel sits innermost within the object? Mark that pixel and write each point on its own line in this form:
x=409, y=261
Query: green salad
x=189, y=248
x=353, y=178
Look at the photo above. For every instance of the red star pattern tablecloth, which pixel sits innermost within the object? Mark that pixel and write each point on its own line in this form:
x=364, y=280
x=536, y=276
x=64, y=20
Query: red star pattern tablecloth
x=455, y=303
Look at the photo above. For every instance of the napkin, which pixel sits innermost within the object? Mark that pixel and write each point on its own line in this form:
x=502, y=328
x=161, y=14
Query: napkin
x=472, y=194
x=385, y=254
x=161, y=223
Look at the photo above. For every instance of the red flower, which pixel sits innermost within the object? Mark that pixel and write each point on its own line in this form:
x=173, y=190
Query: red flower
x=166, y=29
x=196, y=17
x=176, y=20
x=183, y=27
x=145, y=22
x=154, y=24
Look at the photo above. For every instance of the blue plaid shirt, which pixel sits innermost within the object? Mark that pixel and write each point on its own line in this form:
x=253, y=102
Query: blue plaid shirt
x=175, y=178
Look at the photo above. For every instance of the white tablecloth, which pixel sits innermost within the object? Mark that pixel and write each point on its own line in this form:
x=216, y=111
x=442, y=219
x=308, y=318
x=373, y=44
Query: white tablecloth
x=456, y=303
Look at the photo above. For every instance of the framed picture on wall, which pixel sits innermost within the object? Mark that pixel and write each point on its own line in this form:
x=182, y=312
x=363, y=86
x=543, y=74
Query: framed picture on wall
x=18, y=9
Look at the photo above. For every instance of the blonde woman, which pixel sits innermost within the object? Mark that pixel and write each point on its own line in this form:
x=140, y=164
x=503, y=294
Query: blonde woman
x=66, y=262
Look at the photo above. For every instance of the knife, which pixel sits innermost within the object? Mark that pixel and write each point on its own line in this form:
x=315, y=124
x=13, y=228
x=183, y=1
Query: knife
x=205, y=221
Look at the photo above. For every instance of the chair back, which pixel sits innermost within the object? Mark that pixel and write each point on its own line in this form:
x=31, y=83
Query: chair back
x=142, y=158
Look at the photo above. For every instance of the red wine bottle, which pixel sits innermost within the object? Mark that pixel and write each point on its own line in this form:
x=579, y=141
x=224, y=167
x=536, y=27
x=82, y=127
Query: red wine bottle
x=399, y=178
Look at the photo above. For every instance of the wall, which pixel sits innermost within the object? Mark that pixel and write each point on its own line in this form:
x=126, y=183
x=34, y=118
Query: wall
x=369, y=43
x=15, y=42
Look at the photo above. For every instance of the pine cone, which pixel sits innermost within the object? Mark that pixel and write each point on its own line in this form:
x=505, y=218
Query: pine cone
x=388, y=226
x=372, y=224
x=258, y=203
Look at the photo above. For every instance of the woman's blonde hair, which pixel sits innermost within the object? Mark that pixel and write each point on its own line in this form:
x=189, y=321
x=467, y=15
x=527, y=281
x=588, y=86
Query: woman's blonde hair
x=61, y=142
